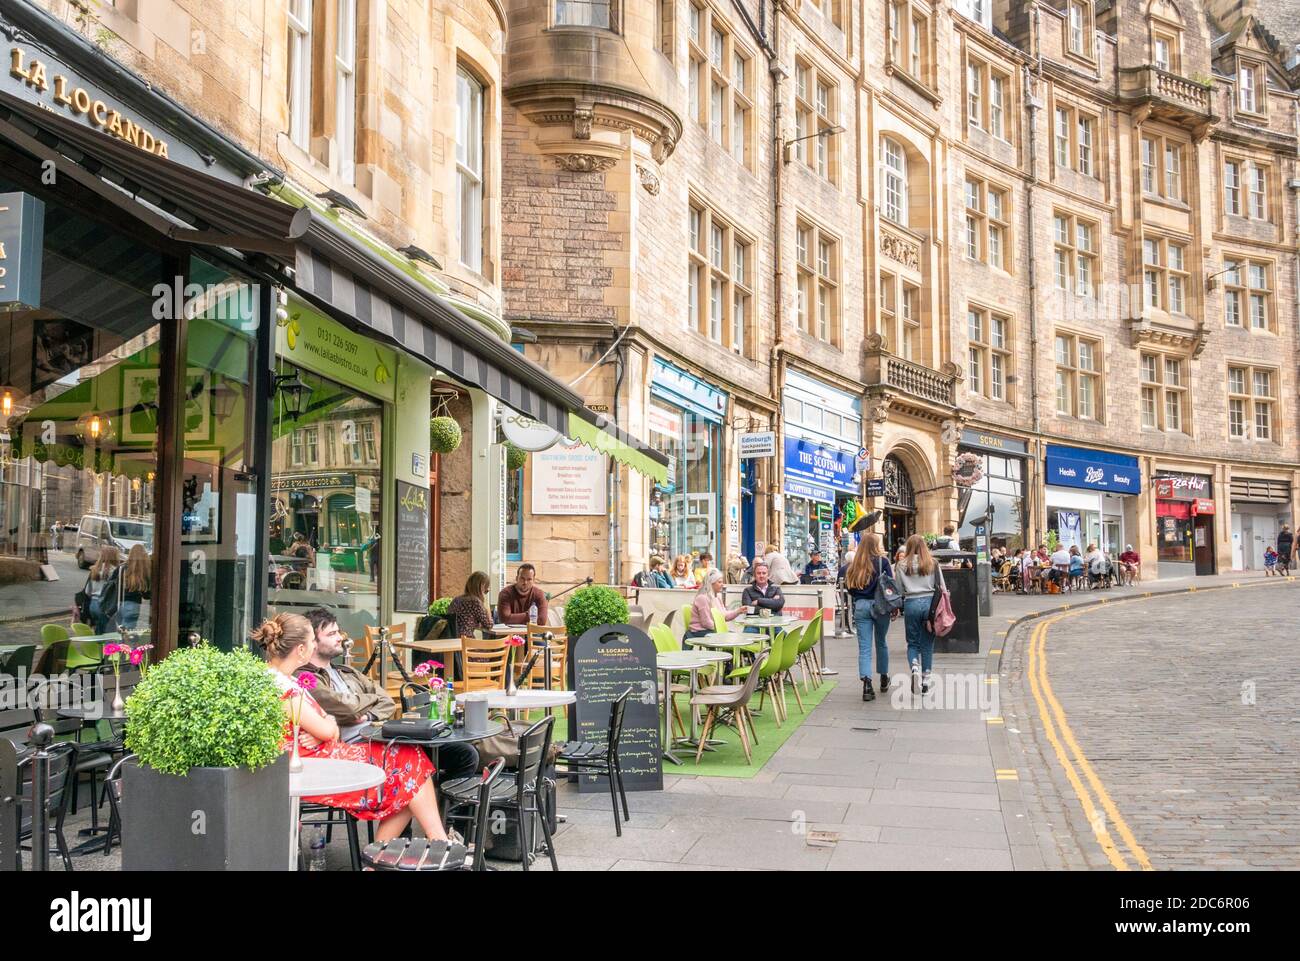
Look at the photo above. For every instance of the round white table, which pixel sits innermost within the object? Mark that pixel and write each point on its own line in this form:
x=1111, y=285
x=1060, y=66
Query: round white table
x=693, y=662
x=323, y=776
x=524, y=700
x=773, y=623
x=725, y=641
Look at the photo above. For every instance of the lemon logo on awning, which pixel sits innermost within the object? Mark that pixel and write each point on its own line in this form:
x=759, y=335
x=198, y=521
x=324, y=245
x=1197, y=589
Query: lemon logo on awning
x=291, y=329
x=382, y=374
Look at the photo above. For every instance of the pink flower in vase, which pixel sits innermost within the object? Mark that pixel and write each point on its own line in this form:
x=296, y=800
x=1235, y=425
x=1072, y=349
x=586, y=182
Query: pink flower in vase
x=426, y=668
x=436, y=683
x=515, y=640
x=306, y=680
x=111, y=649
x=137, y=656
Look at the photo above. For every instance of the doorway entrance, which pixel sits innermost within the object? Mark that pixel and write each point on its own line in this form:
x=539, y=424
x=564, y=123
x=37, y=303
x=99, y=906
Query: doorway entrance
x=900, y=504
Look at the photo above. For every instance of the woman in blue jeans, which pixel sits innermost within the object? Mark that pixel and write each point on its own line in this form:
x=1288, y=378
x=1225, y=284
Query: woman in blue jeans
x=869, y=562
x=918, y=578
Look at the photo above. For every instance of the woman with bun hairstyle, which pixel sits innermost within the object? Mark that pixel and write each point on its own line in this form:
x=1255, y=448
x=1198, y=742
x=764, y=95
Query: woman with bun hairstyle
x=288, y=641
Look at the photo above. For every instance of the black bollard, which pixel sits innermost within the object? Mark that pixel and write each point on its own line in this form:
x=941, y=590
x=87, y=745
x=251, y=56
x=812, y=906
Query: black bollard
x=41, y=736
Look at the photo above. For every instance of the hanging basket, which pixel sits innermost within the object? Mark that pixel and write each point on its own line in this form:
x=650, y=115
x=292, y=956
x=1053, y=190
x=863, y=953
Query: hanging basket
x=444, y=435
x=516, y=457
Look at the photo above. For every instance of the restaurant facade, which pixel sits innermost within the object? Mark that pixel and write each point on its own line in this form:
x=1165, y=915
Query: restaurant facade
x=228, y=386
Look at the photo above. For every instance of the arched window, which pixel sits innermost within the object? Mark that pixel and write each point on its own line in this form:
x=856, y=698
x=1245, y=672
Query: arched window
x=893, y=187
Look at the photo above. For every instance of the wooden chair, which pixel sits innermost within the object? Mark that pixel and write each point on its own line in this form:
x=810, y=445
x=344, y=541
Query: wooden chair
x=559, y=655
x=392, y=684
x=484, y=663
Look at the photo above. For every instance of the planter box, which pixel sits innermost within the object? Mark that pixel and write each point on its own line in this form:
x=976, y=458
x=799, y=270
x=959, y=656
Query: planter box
x=216, y=819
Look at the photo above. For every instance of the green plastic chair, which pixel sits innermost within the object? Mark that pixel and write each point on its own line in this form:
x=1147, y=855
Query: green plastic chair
x=82, y=630
x=767, y=672
x=790, y=654
x=686, y=619
x=85, y=654
x=53, y=633
x=663, y=638
x=719, y=622
x=806, y=655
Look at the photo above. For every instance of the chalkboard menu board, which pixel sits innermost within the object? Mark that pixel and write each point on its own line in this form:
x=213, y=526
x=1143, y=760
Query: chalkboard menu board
x=604, y=663
x=412, y=560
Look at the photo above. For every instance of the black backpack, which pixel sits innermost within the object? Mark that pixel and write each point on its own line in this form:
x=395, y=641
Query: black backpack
x=888, y=597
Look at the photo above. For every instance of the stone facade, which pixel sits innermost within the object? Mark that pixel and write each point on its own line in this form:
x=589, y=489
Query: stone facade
x=624, y=220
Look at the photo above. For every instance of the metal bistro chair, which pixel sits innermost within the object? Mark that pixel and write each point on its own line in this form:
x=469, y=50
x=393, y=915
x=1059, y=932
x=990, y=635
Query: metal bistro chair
x=524, y=795
x=590, y=757
x=113, y=791
x=61, y=773
x=421, y=854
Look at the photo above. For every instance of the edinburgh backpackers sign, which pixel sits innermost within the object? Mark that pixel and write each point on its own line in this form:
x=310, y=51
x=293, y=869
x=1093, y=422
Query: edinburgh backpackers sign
x=22, y=229
x=1094, y=470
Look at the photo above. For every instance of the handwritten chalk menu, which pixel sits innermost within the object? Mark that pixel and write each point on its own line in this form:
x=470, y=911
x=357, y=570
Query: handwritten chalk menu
x=604, y=663
x=411, y=570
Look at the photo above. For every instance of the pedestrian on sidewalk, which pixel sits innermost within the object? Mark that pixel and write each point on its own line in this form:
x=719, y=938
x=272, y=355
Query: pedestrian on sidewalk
x=1270, y=561
x=919, y=578
x=1285, y=547
x=869, y=563
x=778, y=566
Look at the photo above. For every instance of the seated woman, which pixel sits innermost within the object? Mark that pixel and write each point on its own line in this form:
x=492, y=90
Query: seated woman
x=469, y=612
x=708, y=600
x=287, y=641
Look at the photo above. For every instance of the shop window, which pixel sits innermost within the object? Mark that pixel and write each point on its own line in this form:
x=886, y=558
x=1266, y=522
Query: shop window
x=988, y=223
x=469, y=169
x=816, y=109
x=1252, y=403
x=1165, y=396
x=298, y=80
x=586, y=13
x=683, y=511
x=1078, y=377
x=1165, y=274
x=999, y=494
x=1247, y=293
x=720, y=272
x=1074, y=135
x=817, y=266
x=515, y=515
x=1162, y=167
x=988, y=353
x=1075, y=260
x=986, y=97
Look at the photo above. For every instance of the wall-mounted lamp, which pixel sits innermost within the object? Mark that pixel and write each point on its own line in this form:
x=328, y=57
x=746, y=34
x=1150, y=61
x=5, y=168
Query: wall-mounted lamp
x=224, y=398
x=1209, y=280
x=295, y=391
x=786, y=154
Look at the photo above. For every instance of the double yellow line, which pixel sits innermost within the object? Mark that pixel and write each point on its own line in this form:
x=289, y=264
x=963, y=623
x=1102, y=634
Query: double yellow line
x=1074, y=762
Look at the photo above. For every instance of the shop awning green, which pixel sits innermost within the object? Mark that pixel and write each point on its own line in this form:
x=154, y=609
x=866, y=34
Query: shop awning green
x=607, y=441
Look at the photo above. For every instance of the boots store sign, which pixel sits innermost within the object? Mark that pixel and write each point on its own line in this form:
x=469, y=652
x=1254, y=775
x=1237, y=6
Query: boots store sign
x=47, y=87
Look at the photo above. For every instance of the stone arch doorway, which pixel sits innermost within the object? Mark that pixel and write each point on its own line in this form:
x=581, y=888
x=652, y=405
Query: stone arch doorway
x=900, y=503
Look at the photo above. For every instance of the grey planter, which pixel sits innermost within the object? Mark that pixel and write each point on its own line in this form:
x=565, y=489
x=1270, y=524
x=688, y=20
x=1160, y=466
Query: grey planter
x=215, y=819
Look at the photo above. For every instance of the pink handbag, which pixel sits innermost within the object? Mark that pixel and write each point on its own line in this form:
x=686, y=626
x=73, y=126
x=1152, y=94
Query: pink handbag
x=942, y=618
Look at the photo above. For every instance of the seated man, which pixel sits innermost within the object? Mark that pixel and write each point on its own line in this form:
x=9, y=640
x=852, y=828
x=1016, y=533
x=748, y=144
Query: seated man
x=1060, y=572
x=515, y=600
x=814, y=571
x=354, y=700
x=1130, y=564
x=762, y=592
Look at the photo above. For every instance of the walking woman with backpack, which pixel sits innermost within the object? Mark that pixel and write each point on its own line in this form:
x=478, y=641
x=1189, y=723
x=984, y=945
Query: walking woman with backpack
x=919, y=579
x=876, y=599
x=102, y=589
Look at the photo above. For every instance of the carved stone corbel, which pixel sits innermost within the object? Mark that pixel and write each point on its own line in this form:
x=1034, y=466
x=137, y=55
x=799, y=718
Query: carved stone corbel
x=649, y=180
x=582, y=119
x=583, y=163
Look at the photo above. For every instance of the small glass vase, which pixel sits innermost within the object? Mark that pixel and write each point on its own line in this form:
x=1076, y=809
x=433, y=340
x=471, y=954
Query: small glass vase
x=118, y=704
x=511, y=688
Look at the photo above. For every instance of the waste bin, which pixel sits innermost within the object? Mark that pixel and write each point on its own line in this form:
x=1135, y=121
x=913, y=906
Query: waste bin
x=964, y=638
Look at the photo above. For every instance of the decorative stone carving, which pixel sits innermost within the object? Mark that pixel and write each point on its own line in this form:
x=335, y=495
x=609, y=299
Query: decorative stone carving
x=663, y=147
x=901, y=251
x=878, y=413
x=583, y=163
x=582, y=118
x=649, y=180
x=952, y=369
x=875, y=342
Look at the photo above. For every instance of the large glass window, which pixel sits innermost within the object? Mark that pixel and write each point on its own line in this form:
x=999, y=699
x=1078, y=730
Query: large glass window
x=684, y=509
x=1001, y=489
x=324, y=523
x=78, y=442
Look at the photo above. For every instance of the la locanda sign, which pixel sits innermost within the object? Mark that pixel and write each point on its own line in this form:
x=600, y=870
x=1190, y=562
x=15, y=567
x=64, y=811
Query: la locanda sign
x=79, y=101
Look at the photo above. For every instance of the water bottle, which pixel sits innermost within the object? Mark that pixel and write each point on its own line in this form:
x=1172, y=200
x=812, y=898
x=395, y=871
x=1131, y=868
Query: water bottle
x=532, y=614
x=450, y=703
x=316, y=848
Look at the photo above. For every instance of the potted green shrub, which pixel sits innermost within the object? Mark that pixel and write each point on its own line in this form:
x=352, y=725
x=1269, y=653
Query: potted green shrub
x=592, y=607
x=434, y=624
x=209, y=789
x=444, y=435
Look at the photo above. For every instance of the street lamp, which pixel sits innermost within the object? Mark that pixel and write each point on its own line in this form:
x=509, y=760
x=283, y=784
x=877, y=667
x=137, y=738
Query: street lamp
x=825, y=132
x=295, y=392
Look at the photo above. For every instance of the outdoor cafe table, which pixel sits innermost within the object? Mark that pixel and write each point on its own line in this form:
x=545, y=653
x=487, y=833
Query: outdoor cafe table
x=692, y=661
x=455, y=735
x=775, y=623
x=524, y=700
x=322, y=776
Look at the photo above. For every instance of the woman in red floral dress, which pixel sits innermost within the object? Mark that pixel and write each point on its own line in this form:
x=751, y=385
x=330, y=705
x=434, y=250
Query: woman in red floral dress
x=288, y=642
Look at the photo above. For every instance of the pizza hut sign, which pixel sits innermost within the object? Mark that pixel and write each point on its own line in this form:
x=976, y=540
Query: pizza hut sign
x=1182, y=487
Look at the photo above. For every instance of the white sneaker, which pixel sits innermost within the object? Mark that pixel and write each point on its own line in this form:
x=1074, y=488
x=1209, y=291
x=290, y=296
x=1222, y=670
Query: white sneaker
x=916, y=678
x=927, y=682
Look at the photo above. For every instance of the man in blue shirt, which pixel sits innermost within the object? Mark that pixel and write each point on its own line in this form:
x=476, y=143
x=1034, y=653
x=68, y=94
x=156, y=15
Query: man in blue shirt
x=815, y=570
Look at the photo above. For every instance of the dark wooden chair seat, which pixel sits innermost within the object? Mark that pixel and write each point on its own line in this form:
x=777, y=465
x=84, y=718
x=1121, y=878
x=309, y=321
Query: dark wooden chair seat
x=415, y=854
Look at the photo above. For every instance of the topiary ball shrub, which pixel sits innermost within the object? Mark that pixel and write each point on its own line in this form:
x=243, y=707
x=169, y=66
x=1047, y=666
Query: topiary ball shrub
x=516, y=457
x=204, y=707
x=439, y=607
x=593, y=606
x=444, y=435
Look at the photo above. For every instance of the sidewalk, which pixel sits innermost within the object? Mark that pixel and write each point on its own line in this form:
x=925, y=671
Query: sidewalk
x=903, y=788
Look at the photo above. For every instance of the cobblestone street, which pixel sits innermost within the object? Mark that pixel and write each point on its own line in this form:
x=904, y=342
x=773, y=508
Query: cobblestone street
x=1187, y=709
